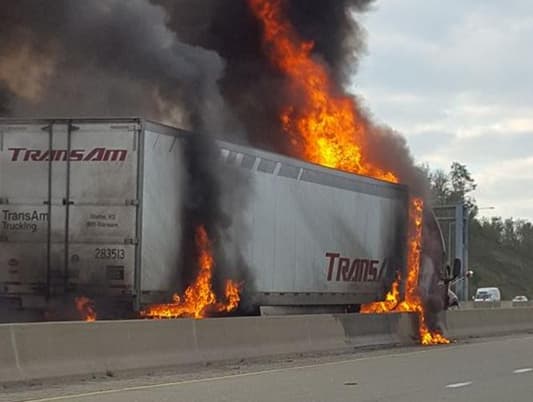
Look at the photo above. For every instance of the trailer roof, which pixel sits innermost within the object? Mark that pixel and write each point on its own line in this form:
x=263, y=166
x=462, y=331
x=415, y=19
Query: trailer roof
x=309, y=171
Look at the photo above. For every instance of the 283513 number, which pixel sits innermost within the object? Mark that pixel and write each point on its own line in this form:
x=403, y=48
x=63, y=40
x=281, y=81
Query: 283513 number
x=109, y=253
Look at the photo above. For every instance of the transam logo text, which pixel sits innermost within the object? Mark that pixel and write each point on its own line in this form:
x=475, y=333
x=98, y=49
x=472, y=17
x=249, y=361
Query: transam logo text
x=75, y=155
x=345, y=269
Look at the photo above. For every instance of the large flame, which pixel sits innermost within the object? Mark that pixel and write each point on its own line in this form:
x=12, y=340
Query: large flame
x=325, y=128
x=85, y=307
x=199, y=298
x=412, y=300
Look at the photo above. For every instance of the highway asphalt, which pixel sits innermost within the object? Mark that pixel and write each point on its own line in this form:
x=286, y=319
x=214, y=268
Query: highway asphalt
x=499, y=369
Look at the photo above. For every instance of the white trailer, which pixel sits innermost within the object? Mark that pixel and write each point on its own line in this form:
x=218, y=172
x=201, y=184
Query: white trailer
x=97, y=204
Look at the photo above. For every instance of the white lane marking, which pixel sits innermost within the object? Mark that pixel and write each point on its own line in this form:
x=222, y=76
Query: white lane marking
x=523, y=370
x=15, y=349
x=459, y=384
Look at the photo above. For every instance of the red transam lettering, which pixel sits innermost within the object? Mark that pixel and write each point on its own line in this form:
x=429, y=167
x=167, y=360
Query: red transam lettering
x=356, y=270
x=33, y=154
x=373, y=270
x=344, y=268
x=332, y=257
x=97, y=154
x=76, y=155
x=42, y=156
x=58, y=155
x=115, y=154
x=16, y=153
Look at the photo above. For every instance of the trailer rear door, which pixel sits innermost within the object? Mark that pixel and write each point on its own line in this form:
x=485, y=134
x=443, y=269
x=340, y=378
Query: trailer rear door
x=102, y=207
x=68, y=207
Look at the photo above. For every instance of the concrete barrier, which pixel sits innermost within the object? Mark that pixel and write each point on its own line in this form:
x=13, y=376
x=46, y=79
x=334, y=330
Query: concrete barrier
x=487, y=322
x=45, y=350
x=487, y=304
x=56, y=349
x=501, y=304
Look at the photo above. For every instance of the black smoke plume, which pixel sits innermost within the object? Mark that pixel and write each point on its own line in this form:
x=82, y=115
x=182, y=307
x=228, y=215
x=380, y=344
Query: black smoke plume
x=106, y=58
x=257, y=91
x=208, y=202
x=4, y=102
x=254, y=89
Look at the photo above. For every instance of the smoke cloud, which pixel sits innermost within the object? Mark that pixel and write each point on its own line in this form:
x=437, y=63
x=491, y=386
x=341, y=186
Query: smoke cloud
x=206, y=204
x=4, y=102
x=103, y=58
x=257, y=92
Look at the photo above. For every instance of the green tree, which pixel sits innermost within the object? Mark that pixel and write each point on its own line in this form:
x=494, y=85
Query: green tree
x=510, y=237
x=453, y=187
x=524, y=234
x=501, y=250
x=440, y=186
x=462, y=185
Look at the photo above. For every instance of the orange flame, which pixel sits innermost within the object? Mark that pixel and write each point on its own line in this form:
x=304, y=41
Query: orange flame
x=199, y=298
x=85, y=307
x=412, y=302
x=325, y=128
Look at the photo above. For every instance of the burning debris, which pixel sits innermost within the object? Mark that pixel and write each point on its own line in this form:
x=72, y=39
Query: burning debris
x=86, y=309
x=325, y=127
x=199, y=299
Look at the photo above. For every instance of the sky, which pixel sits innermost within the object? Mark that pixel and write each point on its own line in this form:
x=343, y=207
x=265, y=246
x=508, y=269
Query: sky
x=456, y=79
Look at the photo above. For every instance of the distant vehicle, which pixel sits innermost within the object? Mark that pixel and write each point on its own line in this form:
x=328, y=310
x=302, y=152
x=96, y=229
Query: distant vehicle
x=520, y=299
x=487, y=295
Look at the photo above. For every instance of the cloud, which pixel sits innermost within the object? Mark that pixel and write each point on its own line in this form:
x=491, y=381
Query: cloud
x=455, y=78
x=479, y=46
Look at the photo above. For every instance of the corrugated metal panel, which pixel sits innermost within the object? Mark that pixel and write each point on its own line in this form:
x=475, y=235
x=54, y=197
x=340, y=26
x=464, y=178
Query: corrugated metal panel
x=30, y=202
x=293, y=222
x=163, y=190
x=102, y=205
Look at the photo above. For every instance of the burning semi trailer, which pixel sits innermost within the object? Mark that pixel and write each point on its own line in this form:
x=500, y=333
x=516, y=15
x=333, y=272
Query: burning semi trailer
x=116, y=230
x=297, y=235
x=137, y=216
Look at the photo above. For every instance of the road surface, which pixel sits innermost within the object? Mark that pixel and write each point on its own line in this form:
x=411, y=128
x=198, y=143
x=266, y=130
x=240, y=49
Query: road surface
x=490, y=370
